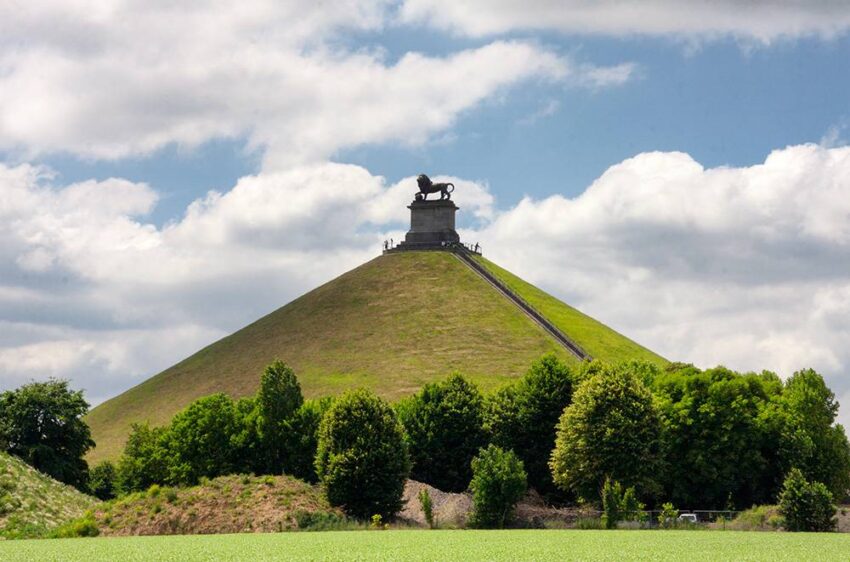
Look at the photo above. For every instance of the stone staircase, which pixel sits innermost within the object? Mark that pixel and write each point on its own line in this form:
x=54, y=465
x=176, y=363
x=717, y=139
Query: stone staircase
x=465, y=256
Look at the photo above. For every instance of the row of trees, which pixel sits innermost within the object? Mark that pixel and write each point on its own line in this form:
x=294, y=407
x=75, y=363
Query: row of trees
x=711, y=439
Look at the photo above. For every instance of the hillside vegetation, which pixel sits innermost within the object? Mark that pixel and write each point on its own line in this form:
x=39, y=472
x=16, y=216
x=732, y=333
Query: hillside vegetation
x=32, y=503
x=390, y=325
x=228, y=504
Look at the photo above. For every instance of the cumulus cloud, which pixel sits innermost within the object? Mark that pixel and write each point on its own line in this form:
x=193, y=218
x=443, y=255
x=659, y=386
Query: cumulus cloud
x=748, y=266
x=120, y=78
x=763, y=21
x=91, y=291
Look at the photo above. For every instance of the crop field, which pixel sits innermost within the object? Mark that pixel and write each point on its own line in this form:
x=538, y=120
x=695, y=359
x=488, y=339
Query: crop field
x=444, y=545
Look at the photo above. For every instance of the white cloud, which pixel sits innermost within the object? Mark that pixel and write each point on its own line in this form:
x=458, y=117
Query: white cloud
x=762, y=21
x=749, y=266
x=122, y=78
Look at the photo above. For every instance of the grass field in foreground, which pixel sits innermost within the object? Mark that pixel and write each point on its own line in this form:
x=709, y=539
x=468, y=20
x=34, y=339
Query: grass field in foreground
x=444, y=545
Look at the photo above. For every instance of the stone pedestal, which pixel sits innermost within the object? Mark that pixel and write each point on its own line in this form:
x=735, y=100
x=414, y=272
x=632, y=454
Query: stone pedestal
x=432, y=225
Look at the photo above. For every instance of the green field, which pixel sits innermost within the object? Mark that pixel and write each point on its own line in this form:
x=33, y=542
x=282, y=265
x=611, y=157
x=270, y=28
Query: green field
x=444, y=545
x=391, y=325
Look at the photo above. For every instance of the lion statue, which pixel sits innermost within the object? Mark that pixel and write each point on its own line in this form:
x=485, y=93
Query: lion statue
x=426, y=186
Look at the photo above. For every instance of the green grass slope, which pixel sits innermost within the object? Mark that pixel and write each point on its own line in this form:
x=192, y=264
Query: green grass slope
x=32, y=503
x=597, y=339
x=392, y=324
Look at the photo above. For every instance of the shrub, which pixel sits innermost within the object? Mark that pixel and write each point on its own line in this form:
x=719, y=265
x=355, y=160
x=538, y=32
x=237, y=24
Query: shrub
x=757, y=518
x=321, y=521
x=302, y=440
x=444, y=429
x=427, y=506
x=611, y=429
x=668, y=518
x=362, y=460
x=806, y=506
x=523, y=416
x=103, y=481
x=498, y=483
x=85, y=526
x=619, y=505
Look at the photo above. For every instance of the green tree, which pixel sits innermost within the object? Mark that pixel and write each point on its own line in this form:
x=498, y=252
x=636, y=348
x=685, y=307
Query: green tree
x=302, y=440
x=202, y=439
x=145, y=460
x=498, y=483
x=806, y=506
x=42, y=423
x=523, y=416
x=713, y=439
x=103, y=481
x=278, y=398
x=362, y=459
x=821, y=448
x=444, y=429
x=611, y=429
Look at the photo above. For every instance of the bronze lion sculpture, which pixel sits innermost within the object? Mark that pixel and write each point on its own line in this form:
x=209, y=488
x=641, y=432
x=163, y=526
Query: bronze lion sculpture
x=426, y=186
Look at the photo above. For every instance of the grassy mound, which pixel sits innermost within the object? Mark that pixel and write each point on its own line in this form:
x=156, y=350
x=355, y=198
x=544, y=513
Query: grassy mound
x=228, y=504
x=390, y=325
x=597, y=339
x=31, y=504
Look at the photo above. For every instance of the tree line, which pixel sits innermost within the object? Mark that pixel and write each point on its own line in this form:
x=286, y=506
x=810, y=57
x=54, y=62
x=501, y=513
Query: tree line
x=710, y=439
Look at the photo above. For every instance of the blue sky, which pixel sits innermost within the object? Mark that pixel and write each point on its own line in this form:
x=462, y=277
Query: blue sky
x=679, y=170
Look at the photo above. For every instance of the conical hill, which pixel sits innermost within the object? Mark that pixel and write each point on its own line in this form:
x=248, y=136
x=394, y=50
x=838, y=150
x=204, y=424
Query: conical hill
x=392, y=324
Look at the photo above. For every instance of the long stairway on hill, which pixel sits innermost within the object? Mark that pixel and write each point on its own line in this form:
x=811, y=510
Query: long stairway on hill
x=464, y=255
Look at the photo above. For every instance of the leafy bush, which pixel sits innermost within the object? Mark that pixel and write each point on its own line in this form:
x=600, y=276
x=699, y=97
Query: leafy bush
x=590, y=523
x=669, y=516
x=498, y=483
x=757, y=518
x=427, y=506
x=444, y=429
x=362, y=460
x=322, y=521
x=85, y=526
x=806, y=506
x=611, y=429
x=619, y=505
x=103, y=481
x=523, y=416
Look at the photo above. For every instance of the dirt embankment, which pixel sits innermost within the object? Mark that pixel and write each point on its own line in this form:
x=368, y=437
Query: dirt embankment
x=229, y=504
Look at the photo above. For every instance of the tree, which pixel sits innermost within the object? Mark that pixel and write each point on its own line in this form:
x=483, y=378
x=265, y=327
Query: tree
x=444, y=429
x=611, y=430
x=103, y=481
x=302, y=440
x=362, y=459
x=278, y=398
x=202, y=439
x=145, y=460
x=806, y=506
x=822, y=451
x=523, y=416
x=42, y=423
x=713, y=439
x=498, y=483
